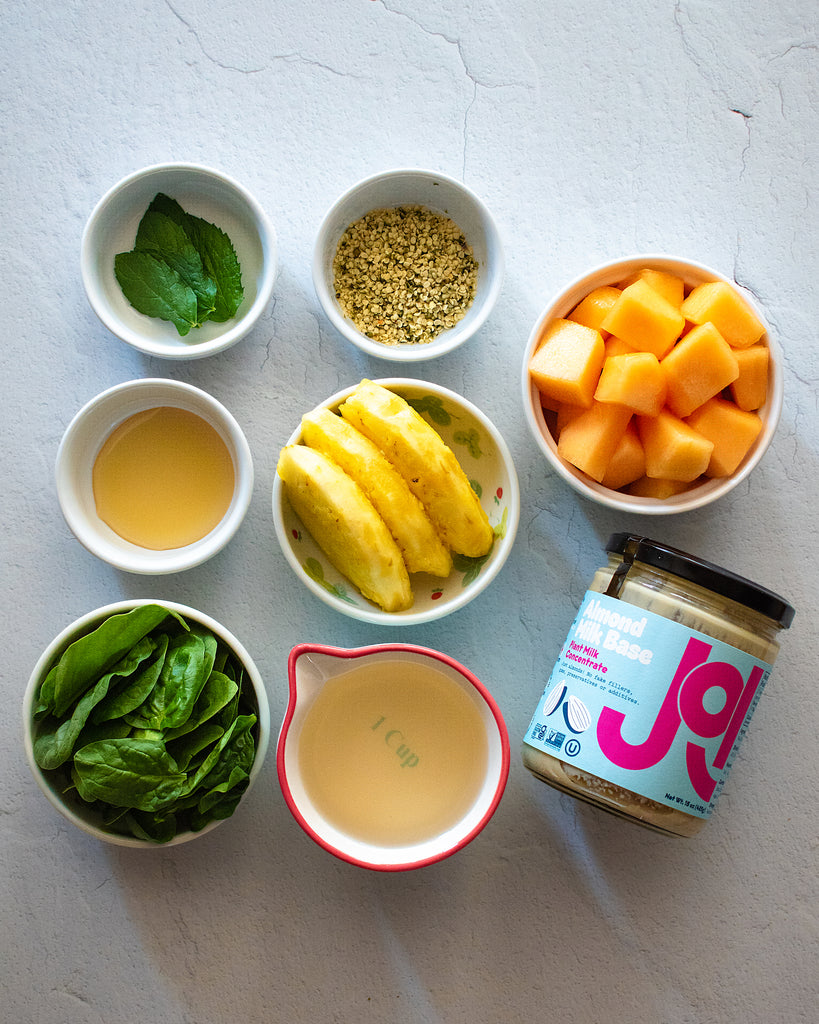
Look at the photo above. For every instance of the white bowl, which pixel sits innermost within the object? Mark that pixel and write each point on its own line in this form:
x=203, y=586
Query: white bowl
x=612, y=273
x=203, y=192
x=440, y=194
x=85, y=436
x=489, y=468
x=310, y=668
x=52, y=783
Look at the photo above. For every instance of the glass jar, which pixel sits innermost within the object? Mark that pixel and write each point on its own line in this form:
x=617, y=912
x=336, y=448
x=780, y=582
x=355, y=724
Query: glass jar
x=655, y=685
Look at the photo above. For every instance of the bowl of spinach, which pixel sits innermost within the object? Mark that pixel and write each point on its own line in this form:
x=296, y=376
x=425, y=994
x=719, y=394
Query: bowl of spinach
x=179, y=260
x=145, y=723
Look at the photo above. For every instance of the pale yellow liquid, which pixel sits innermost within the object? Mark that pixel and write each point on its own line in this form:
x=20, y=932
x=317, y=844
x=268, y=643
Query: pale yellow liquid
x=164, y=478
x=393, y=753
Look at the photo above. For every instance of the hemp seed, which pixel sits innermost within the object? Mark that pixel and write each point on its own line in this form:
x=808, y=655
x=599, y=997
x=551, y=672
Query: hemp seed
x=404, y=274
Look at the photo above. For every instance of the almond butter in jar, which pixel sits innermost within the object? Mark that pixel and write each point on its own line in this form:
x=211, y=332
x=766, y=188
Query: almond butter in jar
x=655, y=685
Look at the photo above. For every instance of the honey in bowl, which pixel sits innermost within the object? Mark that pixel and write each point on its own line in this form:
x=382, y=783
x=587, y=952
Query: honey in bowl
x=392, y=752
x=164, y=478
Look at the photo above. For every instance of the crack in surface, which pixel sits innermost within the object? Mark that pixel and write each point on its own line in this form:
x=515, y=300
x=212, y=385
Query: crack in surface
x=745, y=149
x=470, y=75
x=287, y=58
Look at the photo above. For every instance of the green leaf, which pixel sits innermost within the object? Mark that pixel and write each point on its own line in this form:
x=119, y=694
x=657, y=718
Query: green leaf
x=185, y=749
x=55, y=740
x=218, y=255
x=166, y=239
x=159, y=827
x=126, y=699
x=137, y=773
x=216, y=694
x=241, y=724
x=84, y=661
x=156, y=289
x=180, y=682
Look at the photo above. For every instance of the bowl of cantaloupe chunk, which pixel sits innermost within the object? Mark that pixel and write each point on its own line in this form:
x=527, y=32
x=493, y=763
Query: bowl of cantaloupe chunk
x=651, y=384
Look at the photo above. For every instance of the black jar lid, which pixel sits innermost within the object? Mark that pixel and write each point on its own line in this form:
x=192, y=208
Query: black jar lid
x=635, y=548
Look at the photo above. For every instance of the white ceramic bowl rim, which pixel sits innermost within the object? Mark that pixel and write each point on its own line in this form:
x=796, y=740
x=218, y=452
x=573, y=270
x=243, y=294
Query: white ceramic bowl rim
x=74, y=456
x=190, y=349
x=86, y=624
x=686, y=501
x=488, y=572
x=489, y=285
x=404, y=858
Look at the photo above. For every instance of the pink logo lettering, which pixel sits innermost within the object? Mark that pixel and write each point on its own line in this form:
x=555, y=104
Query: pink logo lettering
x=685, y=701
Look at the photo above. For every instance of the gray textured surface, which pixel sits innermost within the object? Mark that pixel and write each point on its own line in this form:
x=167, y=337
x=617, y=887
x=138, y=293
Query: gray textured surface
x=591, y=131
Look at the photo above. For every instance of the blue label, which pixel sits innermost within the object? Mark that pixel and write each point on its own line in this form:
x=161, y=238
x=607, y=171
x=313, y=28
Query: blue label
x=647, y=704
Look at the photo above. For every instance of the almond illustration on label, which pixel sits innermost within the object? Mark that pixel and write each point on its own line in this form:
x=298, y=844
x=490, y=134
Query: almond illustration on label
x=576, y=714
x=552, y=702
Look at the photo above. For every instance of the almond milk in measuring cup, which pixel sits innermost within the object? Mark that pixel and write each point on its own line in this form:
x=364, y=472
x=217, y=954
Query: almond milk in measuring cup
x=655, y=685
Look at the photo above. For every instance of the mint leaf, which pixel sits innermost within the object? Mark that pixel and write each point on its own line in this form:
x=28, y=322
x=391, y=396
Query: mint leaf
x=220, y=261
x=218, y=255
x=167, y=240
x=155, y=289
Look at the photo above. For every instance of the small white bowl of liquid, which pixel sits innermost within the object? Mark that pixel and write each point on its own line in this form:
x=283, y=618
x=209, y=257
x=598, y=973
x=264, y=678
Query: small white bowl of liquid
x=390, y=757
x=154, y=476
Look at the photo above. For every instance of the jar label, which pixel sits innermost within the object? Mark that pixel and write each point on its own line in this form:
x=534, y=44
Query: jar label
x=647, y=704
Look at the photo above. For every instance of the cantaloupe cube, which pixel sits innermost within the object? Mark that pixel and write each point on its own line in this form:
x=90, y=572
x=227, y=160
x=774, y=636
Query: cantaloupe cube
x=592, y=310
x=617, y=347
x=750, y=389
x=698, y=367
x=732, y=431
x=668, y=285
x=590, y=439
x=644, y=319
x=674, y=450
x=547, y=403
x=634, y=379
x=567, y=363
x=565, y=414
x=652, y=487
x=718, y=302
x=628, y=463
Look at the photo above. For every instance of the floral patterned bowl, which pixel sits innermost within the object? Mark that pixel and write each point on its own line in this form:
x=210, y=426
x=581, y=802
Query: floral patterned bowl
x=486, y=460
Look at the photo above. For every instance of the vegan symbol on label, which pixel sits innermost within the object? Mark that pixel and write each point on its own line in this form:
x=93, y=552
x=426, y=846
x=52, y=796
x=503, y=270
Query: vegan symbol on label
x=575, y=712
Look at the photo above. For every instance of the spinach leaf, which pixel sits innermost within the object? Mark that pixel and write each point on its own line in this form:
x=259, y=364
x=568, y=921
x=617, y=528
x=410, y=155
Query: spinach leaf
x=126, y=699
x=92, y=655
x=223, y=809
x=171, y=701
x=136, y=773
x=238, y=725
x=159, y=827
x=211, y=647
x=55, y=740
x=216, y=694
x=185, y=749
x=232, y=771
